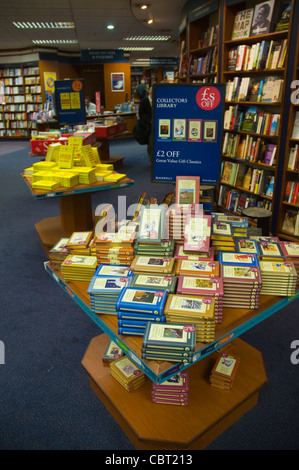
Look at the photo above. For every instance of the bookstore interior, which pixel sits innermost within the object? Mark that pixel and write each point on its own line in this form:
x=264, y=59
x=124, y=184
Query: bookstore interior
x=175, y=285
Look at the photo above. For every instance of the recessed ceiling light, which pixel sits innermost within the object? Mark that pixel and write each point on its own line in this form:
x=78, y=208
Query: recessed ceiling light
x=110, y=26
x=150, y=21
x=143, y=7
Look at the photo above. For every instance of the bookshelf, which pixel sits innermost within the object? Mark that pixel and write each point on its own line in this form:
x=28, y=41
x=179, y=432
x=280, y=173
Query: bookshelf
x=20, y=97
x=288, y=213
x=203, y=43
x=254, y=70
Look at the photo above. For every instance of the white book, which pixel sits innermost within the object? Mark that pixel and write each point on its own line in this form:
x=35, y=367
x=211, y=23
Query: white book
x=295, y=133
x=252, y=54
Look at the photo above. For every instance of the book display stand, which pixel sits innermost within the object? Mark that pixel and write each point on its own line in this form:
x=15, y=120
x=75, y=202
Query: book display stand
x=210, y=411
x=75, y=209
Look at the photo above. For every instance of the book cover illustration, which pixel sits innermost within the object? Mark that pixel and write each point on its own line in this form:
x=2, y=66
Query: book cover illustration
x=242, y=24
x=141, y=300
x=261, y=23
x=197, y=233
x=169, y=335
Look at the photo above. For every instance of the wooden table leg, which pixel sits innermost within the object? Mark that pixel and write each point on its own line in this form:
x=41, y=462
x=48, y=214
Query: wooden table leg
x=76, y=213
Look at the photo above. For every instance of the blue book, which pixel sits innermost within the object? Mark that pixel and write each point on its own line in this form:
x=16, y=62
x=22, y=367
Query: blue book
x=113, y=270
x=141, y=316
x=241, y=259
x=108, y=284
x=132, y=323
x=131, y=331
x=141, y=300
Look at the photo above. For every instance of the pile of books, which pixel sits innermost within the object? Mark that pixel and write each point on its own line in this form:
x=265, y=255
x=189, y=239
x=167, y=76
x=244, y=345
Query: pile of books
x=204, y=287
x=79, y=243
x=46, y=185
x=179, y=253
x=114, y=248
x=58, y=253
x=155, y=281
x=153, y=264
x=165, y=248
x=193, y=309
x=106, y=286
x=197, y=268
x=224, y=372
x=239, y=224
x=174, y=391
x=173, y=342
x=242, y=286
x=127, y=373
x=291, y=252
x=87, y=175
x=136, y=306
x=278, y=278
x=271, y=251
x=222, y=238
x=248, y=246
x=79, y=268
x=177, y=219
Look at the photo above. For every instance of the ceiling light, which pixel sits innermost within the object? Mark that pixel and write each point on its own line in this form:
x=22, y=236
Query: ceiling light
x=143, y=7
x=147, y=38
x=54, y=41
x=150, y=21
x=46, y=25
x=137, y=48
x=110, y=26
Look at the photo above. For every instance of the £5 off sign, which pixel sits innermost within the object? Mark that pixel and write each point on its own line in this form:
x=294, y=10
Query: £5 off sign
x=208, y=98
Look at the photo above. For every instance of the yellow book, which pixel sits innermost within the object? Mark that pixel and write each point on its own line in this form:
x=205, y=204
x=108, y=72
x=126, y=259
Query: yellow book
x=76, y=143
x=48, y=185
x=66, y=156
x=88, y=155
x=96, y=154
x=105, y=167
x=44, y=165
x=53, y=152
x=114, y=177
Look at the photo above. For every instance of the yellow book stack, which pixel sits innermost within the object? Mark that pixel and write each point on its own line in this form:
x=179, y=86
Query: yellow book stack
x=76, y=143
x=53, y=152
x=46, y=184
x=44, y=165
x=114, y=177
x=88, y=155
x=87, y=175
x=79, y=268
x=67, y=179
x=66, y=156
x=127, y=373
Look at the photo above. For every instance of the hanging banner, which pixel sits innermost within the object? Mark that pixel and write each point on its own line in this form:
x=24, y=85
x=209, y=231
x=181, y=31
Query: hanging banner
x=70, y=102
x=187, y=122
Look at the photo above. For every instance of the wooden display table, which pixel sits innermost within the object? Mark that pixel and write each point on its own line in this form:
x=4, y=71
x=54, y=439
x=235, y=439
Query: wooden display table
x=75, y=210
x=210, y=411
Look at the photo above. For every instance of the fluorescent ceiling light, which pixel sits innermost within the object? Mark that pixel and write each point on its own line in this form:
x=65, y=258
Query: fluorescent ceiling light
x=44, y=25
x=137, y=48
x=110, y=26
x=147, y=38
x=55, y=41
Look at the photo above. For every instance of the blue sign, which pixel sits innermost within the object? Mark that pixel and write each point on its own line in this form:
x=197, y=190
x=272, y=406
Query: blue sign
x=103, y=56
x=70, y=102
x=187, y=131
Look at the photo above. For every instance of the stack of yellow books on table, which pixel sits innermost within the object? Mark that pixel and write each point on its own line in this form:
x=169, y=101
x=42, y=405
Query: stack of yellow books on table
x=127, y=373
x=87, y=175
x=79, y=243
x=58, y=253
x=46, y=185
x=43, y=165
x=67, y=179
x=44, y=175
x=79, y=268
x=196, y=310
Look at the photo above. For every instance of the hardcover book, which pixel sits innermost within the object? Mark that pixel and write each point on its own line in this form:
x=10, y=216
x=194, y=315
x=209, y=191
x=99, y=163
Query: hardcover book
x=121, y=271
x=141, y=300
x=247, y=245
x=241, y=259
x=112, y=352
x=151, y=224
x=185, y=305
x=148, y=264
x=181, y=254
x=197, y=233
x=242, y=24
x=187, y=190
x=168, y=336
x=202, y=268
x=262, y=18
x=154, y=281
x=197, y=285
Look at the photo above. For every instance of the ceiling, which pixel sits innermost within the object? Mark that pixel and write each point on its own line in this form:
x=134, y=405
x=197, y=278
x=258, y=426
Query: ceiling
x=91, y=18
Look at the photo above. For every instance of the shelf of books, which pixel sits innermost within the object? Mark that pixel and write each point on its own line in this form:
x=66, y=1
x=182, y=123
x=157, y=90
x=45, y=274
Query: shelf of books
x=203, y=43
x=254, y=59
x=288, y=220
x=20, y=97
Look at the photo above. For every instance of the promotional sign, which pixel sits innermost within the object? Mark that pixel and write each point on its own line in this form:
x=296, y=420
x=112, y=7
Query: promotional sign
x=187, y=131
x=70, y=102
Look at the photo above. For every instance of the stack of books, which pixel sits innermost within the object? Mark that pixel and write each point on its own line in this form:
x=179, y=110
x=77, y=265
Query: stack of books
x=127, y=373
x=79, y=268
x=114, y=248
x=242, y=286
x=174, y=391
x=173, y=342
x=291, y=252
x=153, y=264
x=58, y=253
x=177, y=219
x=104, y=289
x=222, y=238
x=136, y=306
x=79, y=242
x=112, y=352
x=46, y=185
x=154, y=281
x=239, y=224
x=271, y=251
x=165, y=248
x=179, y=253
x=224, y=371
x=86, y=174
x=197, y=268
x=278, y=278
x=204, y=287
x=248, y=245
x=192, y=309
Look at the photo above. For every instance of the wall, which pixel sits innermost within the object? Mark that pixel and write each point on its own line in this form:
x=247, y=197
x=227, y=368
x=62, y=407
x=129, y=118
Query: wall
x=116, y=97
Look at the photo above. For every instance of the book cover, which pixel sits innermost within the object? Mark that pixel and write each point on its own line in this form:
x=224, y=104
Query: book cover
x=187, y=190
x=151, y=224
x=284, y=19
x=140, y=316
x=242, y=24
x=141, y=300
x=154, y=281
x=202, y=268
x=194, y=306
x=250, y=119
x=112, y=352
x=169, y=336
x=295, y=133
x=248, y=245
x=197, y=285
x=150, y=264
x=270, y=250
x=241, y=259
x=197, y=233
x=121, y=271
x=177, y=383
x=290, y=249
x=241, y=275
x=107, y=285
x=263, y=13
x=289, y=221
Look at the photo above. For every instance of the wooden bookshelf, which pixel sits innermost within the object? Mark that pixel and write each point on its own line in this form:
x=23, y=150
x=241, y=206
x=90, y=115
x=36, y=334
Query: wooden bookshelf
x=20, y=97
x=288, y=211
x=264, y=136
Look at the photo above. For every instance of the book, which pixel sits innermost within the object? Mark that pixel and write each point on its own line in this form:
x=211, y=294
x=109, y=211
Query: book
x=246, y=245
x=153, y=264
x=241, y=259
x=242, y=24
x=295, y=132
x=202, y=268
x=224, y=371
x=127, y=373
x=112, y=352
x=289, y=221
x=197, y=233
x=250, y=119
x=66, y=156
x=283, y=21
x=261, y=23
x=269, y=156
x=151, y=224
x=154, y=281
x=141, y=300
x=270, y=250
x=197, y=285
x=187, y=190
x=169, y=336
